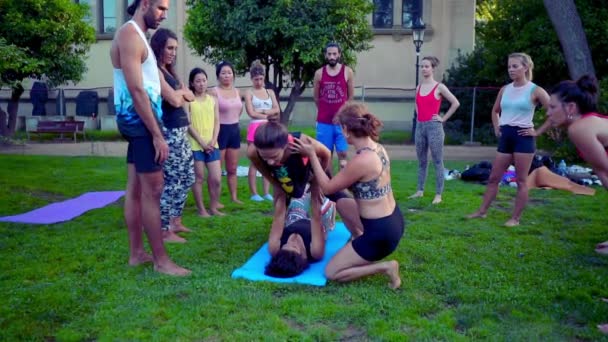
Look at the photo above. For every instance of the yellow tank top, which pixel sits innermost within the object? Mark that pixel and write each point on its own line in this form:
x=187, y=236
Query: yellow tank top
x=203, y=120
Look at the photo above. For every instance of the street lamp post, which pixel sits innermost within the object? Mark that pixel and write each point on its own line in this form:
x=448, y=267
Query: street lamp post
x=418, y=28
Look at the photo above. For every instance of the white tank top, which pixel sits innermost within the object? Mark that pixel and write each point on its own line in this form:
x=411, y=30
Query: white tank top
x=259, y=105
x=516, y=107
x=125, y=109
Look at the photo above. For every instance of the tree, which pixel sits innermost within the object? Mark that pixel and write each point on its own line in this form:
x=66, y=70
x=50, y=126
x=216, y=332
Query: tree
x=569, y=29
x=287, y=36
x=42, y=39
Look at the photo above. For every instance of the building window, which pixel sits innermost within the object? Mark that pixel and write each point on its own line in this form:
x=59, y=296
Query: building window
x=383, y=14
x=108, y=18
x=409, y=13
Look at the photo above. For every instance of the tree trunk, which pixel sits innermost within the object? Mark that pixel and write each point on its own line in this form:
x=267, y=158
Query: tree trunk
x=296, y=91
x=8, y=119
x=569, y=29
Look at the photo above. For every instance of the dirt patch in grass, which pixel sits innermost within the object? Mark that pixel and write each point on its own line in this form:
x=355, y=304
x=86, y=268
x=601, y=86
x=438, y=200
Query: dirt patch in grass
x=47, y=196
x=352, y=333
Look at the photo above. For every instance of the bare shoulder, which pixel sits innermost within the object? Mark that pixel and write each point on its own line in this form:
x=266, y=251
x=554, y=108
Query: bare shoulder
x=212, y=91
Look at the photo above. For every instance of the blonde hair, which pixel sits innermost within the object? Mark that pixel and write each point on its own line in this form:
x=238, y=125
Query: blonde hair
x=526, y=60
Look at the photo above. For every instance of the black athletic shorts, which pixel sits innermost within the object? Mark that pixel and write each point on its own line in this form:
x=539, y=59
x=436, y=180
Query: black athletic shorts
x=229, y=136
x=380, y=237
x=511, y=142
x=141, y=153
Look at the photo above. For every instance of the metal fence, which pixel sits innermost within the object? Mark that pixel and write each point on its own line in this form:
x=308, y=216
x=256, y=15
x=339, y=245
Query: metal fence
x=393, y=105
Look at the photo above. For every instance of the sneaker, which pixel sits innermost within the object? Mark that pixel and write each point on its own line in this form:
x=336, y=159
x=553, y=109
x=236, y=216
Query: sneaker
x=269, y=197
x=224, y=173
x=257, y=198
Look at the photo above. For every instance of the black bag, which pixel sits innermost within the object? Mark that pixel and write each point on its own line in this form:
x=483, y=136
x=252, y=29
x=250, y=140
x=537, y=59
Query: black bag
x=477, y=173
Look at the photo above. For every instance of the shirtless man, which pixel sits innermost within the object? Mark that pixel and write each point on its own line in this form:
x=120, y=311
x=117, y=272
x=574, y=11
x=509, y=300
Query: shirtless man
x=137, y=87
x=334, y=85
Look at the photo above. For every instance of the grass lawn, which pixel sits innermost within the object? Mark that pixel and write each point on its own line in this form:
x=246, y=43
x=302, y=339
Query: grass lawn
x=462, y=279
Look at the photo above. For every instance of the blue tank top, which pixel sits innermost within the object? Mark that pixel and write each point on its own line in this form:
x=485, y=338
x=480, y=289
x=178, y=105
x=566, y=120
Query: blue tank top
x=128, y=121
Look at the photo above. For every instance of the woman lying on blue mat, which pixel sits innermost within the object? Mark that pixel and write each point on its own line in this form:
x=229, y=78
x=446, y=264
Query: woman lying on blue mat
x=290, y=173
x=368, y=177
x=302, y=241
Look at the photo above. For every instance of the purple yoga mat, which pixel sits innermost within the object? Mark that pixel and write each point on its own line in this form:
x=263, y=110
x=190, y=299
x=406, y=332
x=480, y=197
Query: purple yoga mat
x=66, y=210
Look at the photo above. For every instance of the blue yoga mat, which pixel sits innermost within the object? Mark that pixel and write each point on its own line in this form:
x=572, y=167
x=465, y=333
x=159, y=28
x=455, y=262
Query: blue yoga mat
x=66, y=210
x=253, y=269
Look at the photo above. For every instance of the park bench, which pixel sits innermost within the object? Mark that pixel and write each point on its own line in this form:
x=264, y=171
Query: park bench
x=60, y=127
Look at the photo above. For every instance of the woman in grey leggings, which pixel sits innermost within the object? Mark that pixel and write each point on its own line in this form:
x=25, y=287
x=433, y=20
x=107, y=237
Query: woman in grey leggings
x=429, y=126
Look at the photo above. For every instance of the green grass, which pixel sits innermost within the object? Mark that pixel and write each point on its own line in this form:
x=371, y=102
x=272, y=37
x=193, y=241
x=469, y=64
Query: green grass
x=462, y=280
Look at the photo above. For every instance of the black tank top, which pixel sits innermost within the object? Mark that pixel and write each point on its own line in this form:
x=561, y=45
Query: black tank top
x=293, y=174
x=173, y=117
x=301, y=227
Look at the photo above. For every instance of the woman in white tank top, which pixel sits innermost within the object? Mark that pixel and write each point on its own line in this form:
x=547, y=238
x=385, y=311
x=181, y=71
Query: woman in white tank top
x=261, y=106
x=512, y=118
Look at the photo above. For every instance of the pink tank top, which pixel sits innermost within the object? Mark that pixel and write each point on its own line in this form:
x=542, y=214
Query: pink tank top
x=333, y=93
x=427, y=105
x=230, y=109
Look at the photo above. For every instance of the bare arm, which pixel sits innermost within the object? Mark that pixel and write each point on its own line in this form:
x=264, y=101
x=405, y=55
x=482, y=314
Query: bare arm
x=496, y=112
x=172, y=96
x=216, y=124
x=353, y=171
x=316, y=87
x=538, y=96
x=274, y=114
x=278, y=221
x=454, y=103
x=317, y=236
x=592, y=150
x=350, y=82
x=249, y=107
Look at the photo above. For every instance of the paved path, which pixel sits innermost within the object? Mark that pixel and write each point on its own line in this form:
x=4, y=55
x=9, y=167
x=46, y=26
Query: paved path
x=119, y=149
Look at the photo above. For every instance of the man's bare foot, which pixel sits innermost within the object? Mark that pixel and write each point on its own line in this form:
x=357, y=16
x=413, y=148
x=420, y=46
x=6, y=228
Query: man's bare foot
x=603, y=328
x=417, y=194
x=204, y=213
x=602, y=248
x=477, y=214
x=237, y=201
x=142, y=258
x=216, y=212
x=393, y=272
x=170, y=236
x=219, y=205
x=170, y=268
x=512, y=223
x=437, y=199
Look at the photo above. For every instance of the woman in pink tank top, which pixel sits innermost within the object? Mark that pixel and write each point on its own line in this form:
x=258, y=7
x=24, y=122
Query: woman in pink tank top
x=573, y=105
x=429, y=126
x=230, y=110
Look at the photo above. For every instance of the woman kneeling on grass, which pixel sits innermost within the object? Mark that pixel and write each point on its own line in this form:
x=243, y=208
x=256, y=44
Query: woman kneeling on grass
x=368, y=177
x=573, y=104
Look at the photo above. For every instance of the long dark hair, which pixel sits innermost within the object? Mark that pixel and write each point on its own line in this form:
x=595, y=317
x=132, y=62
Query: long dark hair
x=583, y=92
x=158, y=42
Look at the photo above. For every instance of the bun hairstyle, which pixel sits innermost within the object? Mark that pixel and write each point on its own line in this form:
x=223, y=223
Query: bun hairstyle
x=526, y=60
x=432, y=59
x=220, y=65
x=133, y=7
x=257, y=69
x=356, y=118
x=192, y=76
x=584, y=92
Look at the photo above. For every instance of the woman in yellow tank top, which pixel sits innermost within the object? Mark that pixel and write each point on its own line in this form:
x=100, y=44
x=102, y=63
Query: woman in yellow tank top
x=203, y=130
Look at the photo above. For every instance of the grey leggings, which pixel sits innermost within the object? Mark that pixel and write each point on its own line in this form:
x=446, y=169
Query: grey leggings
x=178, y=171
x=430, y=135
